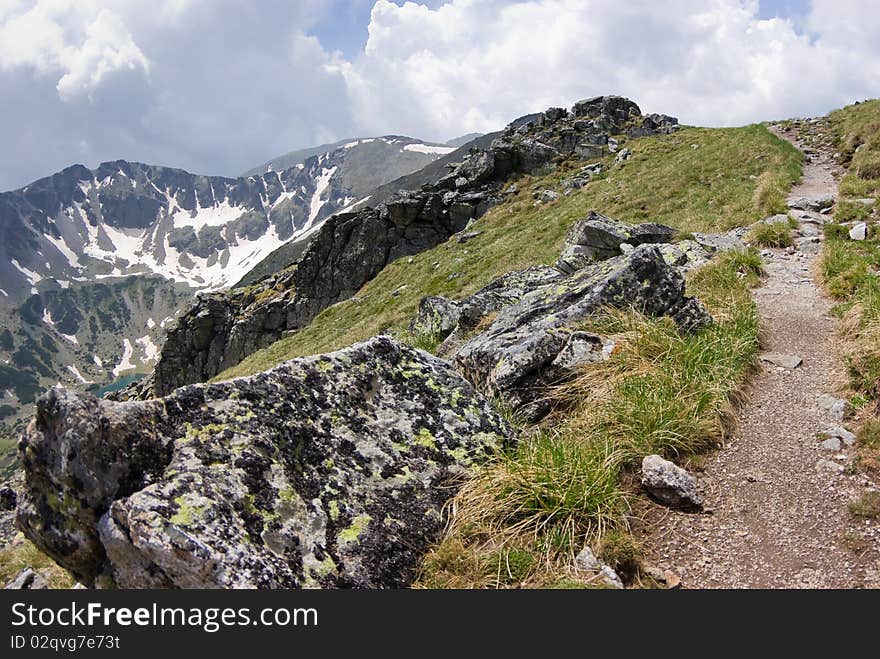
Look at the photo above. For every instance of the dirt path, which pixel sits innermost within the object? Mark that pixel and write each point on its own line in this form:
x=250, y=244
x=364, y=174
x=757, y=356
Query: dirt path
x=777, y=501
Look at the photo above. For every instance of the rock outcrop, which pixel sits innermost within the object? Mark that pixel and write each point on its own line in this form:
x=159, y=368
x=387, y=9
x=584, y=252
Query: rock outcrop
x=519, y=334
x=533, y=342
x=351, y=248
x=328, y=471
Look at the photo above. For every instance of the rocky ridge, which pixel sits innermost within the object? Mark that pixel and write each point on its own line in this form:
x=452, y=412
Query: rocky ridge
x=351, y=248
x=305, y=475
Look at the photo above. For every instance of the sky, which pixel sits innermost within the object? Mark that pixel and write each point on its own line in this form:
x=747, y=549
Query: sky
x=219, y=86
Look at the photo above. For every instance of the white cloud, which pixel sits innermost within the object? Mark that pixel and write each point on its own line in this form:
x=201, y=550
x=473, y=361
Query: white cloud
x=473, y=65
x=216, y=86
x=77, y=40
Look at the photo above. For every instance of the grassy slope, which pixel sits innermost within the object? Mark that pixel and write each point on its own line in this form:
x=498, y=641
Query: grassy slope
x=695, y=180
x=850, y=269
x=521, y=518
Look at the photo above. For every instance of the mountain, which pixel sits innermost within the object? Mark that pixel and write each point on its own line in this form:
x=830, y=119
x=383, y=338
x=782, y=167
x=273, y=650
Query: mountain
x=351, y=248
x=369, y=161
x=464, y=139
x=94, y=264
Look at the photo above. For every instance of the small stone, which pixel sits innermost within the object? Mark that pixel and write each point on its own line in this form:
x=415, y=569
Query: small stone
x=789, y=362
x=839, y=433
x=859, y=231
x=586, y=561
x=669, y=484
x=470, y=235
x=832, y=445
x=828, y=466
x=836, y=406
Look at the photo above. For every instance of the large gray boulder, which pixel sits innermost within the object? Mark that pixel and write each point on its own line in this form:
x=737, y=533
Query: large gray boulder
x=514, y=358
x=327, y=471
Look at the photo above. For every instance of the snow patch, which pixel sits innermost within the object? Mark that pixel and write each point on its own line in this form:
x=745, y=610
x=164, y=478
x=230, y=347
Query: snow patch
x=32, y=277
x=71, y=338
x=209, y=216
x=5, y=294
x=125, y=364
x=429, y=148
x=151, y=323
x=321, y=186
x=47, y=317
x=351, y=207
x=78, y=375
x=66, y=252
x=151, y=351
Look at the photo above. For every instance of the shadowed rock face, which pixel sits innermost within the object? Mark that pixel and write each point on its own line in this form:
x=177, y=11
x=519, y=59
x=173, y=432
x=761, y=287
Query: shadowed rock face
x=328, y=471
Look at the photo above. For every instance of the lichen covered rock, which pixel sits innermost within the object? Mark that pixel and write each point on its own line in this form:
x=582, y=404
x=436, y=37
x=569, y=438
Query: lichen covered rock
x=327, y=471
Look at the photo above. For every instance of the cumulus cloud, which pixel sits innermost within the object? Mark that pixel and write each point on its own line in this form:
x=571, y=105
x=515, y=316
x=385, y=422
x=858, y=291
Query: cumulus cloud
x=81, y=42
x=213, y=86
x=216, y=86
x=479, y=63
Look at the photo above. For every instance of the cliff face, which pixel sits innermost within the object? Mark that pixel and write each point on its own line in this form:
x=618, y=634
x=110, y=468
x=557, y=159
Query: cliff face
x=349, y=249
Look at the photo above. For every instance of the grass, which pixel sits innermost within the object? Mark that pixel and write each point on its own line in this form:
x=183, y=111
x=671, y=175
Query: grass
x=23, y=554
x=565, y=485
x=728, y=181
x=849, y=269
x=771, y=234
x=866, y=506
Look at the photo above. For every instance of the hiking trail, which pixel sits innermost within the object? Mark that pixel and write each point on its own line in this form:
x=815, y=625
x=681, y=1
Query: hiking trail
x=776, y=501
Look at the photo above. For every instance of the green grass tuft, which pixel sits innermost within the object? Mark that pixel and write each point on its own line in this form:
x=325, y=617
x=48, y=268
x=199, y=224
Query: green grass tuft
x=772, y=234
x=867, y=505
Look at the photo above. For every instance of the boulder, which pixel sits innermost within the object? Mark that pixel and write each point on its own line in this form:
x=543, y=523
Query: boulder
x=669, y=484
x=28, y=579
x=513, y=359
x=815, y=203
x=546, y=196
x=598, y=237
x=835, y=406
x=8, y=498
x=326, y=471
x=859, y=231
x=840, y=434
x=441, y=316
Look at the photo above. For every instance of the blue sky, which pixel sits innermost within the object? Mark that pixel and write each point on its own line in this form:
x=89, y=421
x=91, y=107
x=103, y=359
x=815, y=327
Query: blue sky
x=217, y=86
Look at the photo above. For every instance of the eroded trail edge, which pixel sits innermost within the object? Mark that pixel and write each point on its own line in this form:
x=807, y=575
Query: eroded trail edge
x=776, y=497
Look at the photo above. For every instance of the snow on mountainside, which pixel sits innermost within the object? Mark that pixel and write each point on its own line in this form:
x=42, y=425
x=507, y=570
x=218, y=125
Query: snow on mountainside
x=95, y=263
